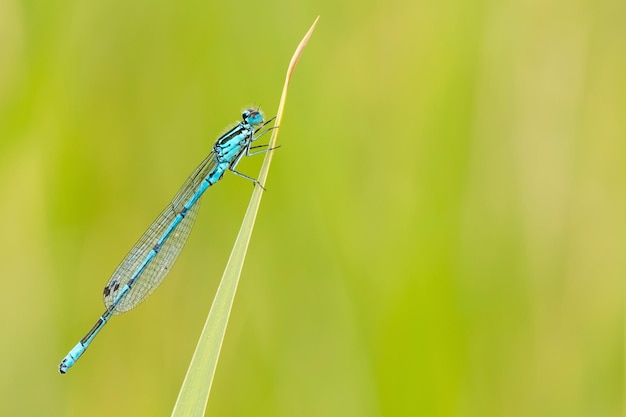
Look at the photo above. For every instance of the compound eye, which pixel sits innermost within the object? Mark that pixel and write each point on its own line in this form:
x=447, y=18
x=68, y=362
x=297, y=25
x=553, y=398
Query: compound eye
x=254, y=117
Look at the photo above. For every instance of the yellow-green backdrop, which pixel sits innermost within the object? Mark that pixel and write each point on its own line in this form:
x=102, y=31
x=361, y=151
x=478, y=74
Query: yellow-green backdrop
x=443, y=232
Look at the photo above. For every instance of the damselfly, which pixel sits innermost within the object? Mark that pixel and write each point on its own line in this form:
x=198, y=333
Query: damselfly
x=149, y=261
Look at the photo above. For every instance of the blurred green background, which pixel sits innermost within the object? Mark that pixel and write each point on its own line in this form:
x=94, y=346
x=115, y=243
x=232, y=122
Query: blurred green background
x=443, y=232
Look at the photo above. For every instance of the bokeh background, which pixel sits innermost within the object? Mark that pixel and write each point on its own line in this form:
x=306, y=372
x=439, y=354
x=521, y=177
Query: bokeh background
x=443, y=232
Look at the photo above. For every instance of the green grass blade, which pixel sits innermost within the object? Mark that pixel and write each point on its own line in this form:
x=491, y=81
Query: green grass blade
x=194, y=393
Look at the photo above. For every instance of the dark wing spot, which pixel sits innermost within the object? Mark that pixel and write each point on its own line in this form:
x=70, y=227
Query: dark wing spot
x=115, y=286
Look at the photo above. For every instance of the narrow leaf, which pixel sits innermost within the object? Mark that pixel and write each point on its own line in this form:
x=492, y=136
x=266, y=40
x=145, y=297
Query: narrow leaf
x=194, y=393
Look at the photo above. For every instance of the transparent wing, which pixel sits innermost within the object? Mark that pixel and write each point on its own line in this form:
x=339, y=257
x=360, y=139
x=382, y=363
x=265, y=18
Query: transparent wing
x=161, y=263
